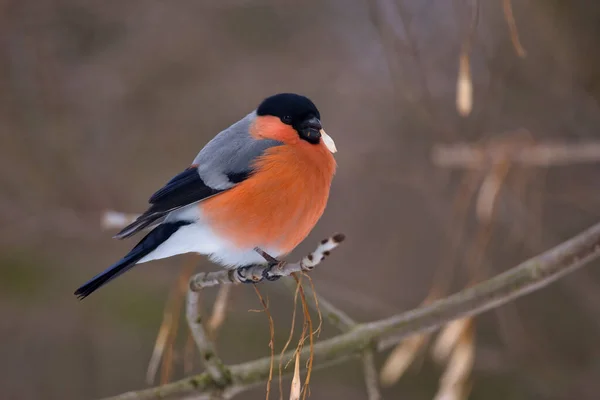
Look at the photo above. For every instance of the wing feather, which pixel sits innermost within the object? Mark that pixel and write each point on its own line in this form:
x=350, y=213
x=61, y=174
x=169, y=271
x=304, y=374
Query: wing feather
x=212, y=173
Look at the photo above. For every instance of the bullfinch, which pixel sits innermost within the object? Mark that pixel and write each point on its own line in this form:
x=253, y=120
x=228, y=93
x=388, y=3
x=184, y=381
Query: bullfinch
x=259, y=186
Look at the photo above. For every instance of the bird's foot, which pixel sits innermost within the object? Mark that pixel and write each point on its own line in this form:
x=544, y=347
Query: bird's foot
x=256, y=273
x=272, y=262
x=268, y=272
x=248, y=274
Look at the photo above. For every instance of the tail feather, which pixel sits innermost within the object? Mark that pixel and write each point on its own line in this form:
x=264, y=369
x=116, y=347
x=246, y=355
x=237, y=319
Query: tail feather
x=148, y=244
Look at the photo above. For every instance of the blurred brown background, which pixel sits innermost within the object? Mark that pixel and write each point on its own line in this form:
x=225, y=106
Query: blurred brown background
x=102, y=101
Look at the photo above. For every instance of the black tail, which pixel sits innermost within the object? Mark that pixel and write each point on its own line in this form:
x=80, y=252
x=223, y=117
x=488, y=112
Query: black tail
x=148, y=244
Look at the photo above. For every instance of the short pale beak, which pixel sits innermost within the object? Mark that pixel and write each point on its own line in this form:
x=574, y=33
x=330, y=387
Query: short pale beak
x=328, y=141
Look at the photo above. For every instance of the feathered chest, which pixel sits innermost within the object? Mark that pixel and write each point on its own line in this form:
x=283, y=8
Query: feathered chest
x=280, y=203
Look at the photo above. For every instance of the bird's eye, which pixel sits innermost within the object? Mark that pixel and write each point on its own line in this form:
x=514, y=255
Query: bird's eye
x=287, y=119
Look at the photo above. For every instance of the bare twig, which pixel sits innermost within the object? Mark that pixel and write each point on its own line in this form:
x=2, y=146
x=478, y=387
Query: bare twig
x=214, y=366
x=257, y=272
x=466, y=155
x=531, y=275
x=370, y=370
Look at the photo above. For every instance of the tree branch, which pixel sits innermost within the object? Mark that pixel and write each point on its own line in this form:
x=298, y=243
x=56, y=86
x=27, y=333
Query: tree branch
x=523, y=279
x=213, y=364
x=467, y=155
x=371, y=375
x=257, y=273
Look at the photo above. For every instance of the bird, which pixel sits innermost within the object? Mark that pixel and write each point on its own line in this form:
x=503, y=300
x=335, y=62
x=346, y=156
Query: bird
x=253, y=193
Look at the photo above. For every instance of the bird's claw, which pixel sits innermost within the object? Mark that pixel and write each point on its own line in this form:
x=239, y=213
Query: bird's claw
x=246, y=275
x=242, y=275
x=267, y=272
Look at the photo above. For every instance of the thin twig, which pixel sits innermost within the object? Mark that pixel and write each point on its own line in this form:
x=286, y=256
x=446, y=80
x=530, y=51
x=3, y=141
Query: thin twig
x=257, y=272
x=214, y=366
x=370, y=371
x=467, y=155
x=529, y=276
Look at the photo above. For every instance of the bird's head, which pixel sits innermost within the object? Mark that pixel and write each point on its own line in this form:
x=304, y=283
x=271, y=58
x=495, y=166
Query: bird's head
x=290, y=117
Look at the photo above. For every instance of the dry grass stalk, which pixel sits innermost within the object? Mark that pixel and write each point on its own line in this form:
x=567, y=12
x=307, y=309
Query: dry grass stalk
x=271, y=338
x=462, y=201
x=306, y=329
x=456, y=342
x=448, y=339
x=406, y=352
x=464, y=82
x=489, y=191
x=219, y=311
x=464, y=86
x=287, y=343
x=159, y=345
x=401, y=358
x=168, y=330
x=512, y=26
x=296, y=386
x=167, y=361
x=317, y=307
x=454, y=383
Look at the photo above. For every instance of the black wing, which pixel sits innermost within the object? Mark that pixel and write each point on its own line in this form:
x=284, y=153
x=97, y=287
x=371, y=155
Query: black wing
x=184, y=189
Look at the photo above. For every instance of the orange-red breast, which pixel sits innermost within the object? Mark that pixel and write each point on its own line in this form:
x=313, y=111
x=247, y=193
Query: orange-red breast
x=261, y=183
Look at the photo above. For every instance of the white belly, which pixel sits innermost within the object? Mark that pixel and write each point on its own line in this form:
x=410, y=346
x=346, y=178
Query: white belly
x=199, y=238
